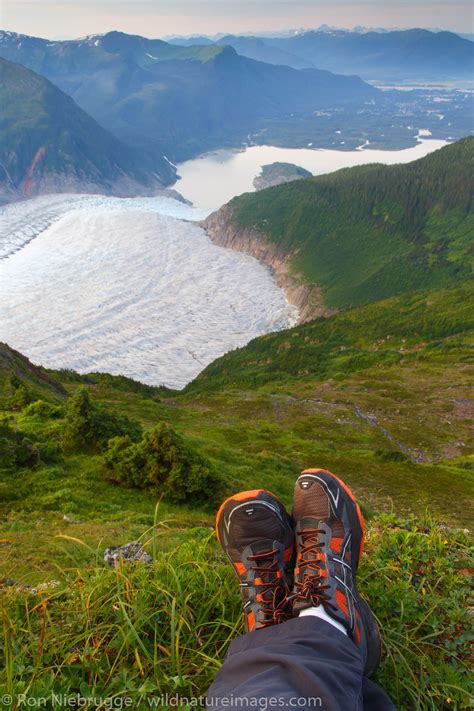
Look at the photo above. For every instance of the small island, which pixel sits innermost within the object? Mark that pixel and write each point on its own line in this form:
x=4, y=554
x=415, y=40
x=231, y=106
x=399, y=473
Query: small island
x=279, y=173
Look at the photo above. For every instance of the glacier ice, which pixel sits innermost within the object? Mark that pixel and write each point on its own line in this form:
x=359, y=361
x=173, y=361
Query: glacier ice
x=123, y=286
x=22, y=221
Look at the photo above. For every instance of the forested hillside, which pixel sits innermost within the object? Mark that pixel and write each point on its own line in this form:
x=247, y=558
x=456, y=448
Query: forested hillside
x=49, y=144
x=367, y=233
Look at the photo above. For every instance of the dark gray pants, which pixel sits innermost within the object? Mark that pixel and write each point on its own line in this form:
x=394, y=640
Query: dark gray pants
x=304, y=663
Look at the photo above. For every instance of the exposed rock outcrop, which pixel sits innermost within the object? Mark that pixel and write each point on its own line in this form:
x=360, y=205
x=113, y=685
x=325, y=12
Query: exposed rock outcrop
x=129, y=553
x=224, y=231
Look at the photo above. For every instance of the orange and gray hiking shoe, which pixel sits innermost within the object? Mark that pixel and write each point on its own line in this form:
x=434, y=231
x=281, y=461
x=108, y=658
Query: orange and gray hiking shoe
x=329, y=532
x=255, y=531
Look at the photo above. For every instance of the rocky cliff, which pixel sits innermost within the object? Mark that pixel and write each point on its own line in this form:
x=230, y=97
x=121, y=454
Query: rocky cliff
x=225, y=232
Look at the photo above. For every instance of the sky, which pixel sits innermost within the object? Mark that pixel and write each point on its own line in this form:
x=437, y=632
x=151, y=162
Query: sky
x=158, y=18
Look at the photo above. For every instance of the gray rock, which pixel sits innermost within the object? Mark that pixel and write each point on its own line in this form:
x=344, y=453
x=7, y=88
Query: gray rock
x=17, y=587
x=133, y=551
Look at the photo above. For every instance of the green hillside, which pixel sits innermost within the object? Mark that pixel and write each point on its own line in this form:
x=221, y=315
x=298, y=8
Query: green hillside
x=378, y=394
x=371, y=232
x=48, y=142
x=386, y=332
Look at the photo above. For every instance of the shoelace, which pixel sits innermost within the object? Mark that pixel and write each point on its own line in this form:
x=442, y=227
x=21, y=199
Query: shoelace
x=273, y=594
x=313, y=587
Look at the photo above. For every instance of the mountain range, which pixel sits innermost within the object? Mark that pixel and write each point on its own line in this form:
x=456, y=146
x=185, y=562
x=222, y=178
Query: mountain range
x=405, y=55
x=49, y=144
x=149, y=104
x=178, y=101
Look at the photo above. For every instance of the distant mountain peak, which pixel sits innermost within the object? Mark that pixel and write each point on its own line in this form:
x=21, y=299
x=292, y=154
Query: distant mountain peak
x=226, y=51
x=7, y=33
x=7, y=36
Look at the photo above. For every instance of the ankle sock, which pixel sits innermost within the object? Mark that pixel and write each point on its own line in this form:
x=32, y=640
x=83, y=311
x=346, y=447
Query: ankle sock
x=323, y=615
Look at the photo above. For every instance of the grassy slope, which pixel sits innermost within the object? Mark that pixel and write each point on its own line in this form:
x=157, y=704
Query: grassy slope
x=260, y=415
x=384, y=333
x=143, y=632
x=366, y=233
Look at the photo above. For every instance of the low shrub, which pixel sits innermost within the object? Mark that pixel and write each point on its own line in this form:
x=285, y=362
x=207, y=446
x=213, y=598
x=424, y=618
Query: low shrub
x=391, y=455
x=41, y=408
x=15, y=394
x=50, y=452
x=16, y=450
x=163, y=461
x=89, y=426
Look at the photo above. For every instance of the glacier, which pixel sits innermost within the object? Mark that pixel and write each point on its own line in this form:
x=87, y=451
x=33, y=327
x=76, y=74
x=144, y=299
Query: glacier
x=129, y=287
x=22, y=221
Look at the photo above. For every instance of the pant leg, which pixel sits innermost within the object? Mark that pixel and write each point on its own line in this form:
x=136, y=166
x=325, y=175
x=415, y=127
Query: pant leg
x=302, y=659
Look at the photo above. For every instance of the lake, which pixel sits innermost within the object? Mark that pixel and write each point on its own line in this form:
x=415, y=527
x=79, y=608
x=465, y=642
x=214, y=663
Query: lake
x=213, y=179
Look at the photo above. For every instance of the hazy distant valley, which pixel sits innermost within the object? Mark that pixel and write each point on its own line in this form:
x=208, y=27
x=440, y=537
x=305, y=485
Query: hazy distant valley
x=408, y=56
x=114, y=113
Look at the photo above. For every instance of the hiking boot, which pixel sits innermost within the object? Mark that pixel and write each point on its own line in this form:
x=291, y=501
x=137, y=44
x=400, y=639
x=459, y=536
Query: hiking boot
x=255, y=531
x=329, y=531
